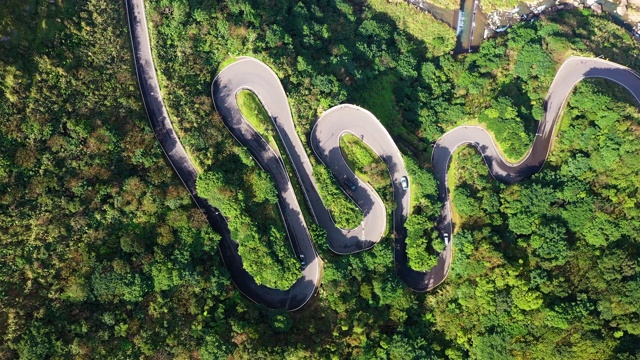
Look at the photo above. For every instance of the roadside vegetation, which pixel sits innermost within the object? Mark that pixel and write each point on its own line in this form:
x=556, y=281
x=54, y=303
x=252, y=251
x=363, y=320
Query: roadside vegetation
x=364, y=162
x=252, y=110
x=424, y=243
x=447, y=4
x=508, y=129
x=247, y=197
x=104, y=254
x=415, y=22
x=344, y=212
x=249, y=202
x=368, y=166
x=500, y=5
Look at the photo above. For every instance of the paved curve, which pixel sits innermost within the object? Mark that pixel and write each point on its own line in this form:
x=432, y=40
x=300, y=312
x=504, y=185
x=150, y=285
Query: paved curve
x=255, y=76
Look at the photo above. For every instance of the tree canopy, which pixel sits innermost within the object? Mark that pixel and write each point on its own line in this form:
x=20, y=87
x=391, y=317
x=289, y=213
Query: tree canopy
x=104, y=255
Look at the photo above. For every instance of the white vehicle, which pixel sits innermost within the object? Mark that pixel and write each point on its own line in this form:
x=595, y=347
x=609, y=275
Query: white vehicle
x=404, y=182
x=446, y=239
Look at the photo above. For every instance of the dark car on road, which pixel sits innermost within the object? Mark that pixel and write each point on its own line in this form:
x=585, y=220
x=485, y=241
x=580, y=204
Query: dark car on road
x=303, y=261
x=350, y=184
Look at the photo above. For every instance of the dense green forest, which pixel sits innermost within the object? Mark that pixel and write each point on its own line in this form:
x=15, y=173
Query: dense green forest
x=105, y=256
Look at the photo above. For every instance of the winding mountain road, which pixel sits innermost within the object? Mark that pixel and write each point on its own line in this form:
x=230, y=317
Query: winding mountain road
x=251, y=74
x=304, y=288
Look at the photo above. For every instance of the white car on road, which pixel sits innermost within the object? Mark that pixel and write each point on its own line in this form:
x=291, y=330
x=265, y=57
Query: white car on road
x=404, y=182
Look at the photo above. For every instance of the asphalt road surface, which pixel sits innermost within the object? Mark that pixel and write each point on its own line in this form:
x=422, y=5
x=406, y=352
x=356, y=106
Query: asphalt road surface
x=253, y=75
